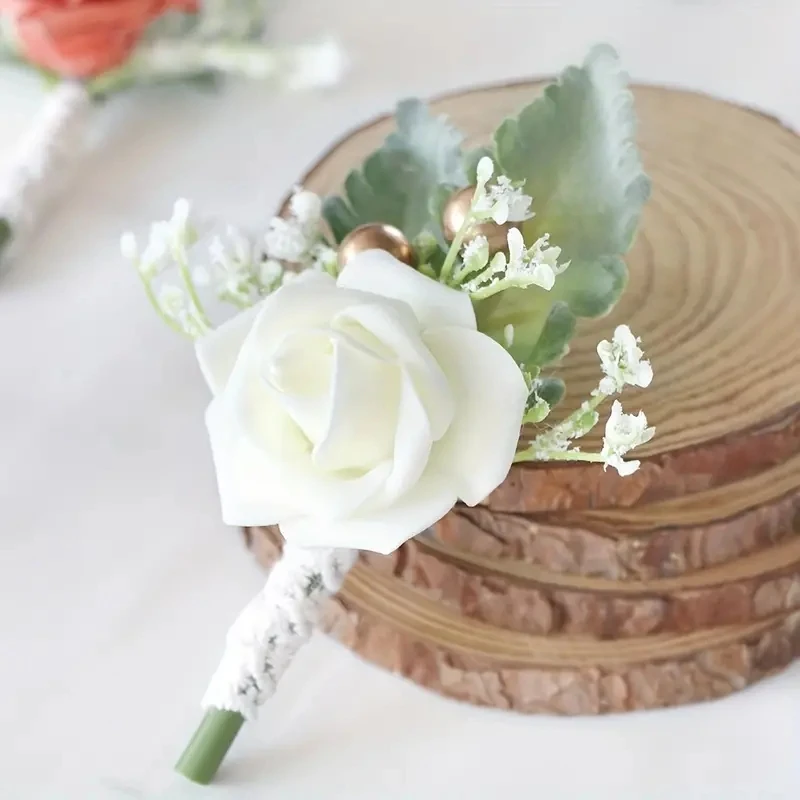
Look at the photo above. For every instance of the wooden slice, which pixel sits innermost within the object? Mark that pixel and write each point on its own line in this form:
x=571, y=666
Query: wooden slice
x=655, y=540
x=713, y=294
x=387, y=623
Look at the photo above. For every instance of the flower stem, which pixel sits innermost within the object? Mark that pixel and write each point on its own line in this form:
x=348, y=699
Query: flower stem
x=458, y=240
x=531, y=454
x=548, y=446
x=186, y=277
x=171, y=323
x=494, y=288
x=208, y=747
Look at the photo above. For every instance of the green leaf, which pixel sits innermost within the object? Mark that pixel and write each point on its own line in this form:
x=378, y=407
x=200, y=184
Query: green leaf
x=5, y=234
x=557, y=331
x=575, y=149
x=525, y=309
x=400, y=183
x=586, y=289
x=551, y=390
x=591, y=287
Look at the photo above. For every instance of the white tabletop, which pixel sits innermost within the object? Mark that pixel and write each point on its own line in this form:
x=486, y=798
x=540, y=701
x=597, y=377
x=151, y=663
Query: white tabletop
x=117, y=578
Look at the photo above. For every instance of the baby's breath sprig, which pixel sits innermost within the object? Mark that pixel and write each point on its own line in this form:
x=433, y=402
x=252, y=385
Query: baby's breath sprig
x=167, y=248
x=525, y=266
x=483, y=277
x=501, y=202
x=238, y=269
x=622, y=363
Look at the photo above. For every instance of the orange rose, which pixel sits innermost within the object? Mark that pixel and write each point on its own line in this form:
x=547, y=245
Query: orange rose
x=84, y=38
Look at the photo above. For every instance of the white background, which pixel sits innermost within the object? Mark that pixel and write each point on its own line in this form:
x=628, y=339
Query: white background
x=117, y=580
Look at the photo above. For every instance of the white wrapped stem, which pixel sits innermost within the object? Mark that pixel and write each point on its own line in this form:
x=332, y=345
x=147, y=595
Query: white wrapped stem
x=274, y=625
x=45, y=161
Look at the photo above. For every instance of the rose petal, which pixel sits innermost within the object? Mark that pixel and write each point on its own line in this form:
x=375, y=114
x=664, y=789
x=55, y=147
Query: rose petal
x=299, y=371
x=384, y=530
x=249, y=484
x=479, y=447
x=256, y=489
x=218, y=350
x=412, y=443
x=304, y=304
x=433, y=303
x=365, y=391
x=394, y=334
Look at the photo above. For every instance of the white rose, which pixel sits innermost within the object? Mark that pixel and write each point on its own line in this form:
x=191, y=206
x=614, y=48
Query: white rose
x=355, y=412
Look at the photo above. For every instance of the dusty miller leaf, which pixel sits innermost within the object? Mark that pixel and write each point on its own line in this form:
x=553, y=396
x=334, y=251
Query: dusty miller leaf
x=400, y=183
x=556, y=332
x=574, y=147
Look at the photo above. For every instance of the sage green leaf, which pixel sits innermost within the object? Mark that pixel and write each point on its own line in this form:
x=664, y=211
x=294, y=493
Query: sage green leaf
x=526, y=309
x=551, y=390
x=587, y=289
x=399, y=183
x=5, y=235
x=552, y=342
x=591, y=286
x=575, y=149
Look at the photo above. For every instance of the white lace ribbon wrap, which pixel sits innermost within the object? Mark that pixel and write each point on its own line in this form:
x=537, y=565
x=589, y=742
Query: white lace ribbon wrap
x=274, y=625
x=45, y=161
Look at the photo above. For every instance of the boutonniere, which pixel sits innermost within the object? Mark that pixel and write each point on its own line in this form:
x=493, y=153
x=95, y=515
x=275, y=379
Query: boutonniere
x=90, y=50
x=392, y=344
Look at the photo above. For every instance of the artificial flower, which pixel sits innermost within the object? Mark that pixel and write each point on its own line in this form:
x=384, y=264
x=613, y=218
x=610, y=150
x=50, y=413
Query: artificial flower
x=355, y=412
x=623, y=433
x=622, y=362
x=84, y=38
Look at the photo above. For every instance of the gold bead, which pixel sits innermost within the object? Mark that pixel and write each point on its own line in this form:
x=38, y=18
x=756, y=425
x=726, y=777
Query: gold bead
x=376, y=236
x=455, y=212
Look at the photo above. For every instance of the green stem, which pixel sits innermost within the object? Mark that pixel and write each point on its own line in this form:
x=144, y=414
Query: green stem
x=458, y=240
x=494, y=288
x=208, y=747
x=558, y=455
x=148, y=290
x=567, y=429
x=171, y=60
x=186, y=277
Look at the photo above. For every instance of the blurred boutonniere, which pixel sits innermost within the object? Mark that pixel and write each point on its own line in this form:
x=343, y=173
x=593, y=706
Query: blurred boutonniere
x=394, y=348
x=89, y=50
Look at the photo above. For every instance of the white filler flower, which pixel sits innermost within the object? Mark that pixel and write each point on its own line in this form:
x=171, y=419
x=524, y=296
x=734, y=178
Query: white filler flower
x=355, y=412
x=622, y=362
x=623, y=433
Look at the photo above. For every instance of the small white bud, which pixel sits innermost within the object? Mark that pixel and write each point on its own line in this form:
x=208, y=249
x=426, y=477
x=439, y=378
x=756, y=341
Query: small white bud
x=270, y=272
x=129, y=247
x=306, y=207
x=508, y=335
x=485, y=170
x=180, y=212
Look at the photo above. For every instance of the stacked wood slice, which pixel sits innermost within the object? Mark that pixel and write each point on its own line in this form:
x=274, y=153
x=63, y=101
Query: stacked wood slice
x=572, y=590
